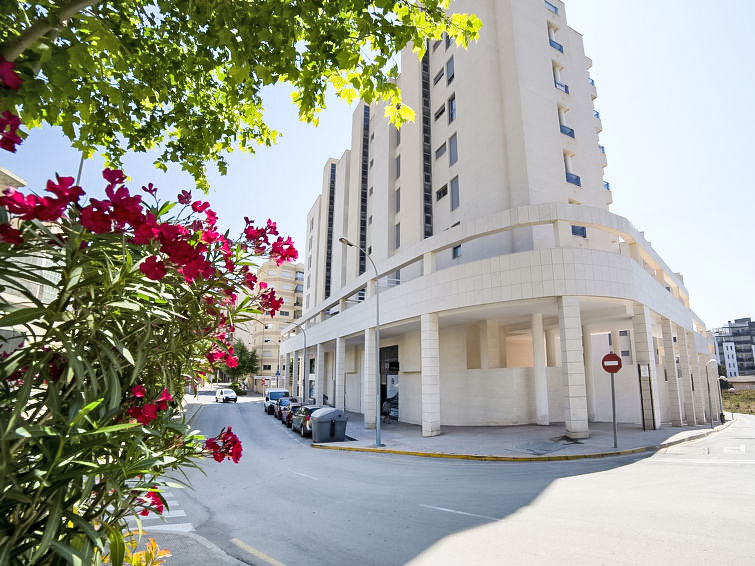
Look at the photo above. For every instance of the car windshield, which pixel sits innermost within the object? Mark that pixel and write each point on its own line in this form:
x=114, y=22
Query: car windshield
x=284, y=402
x=227, y=392
x=274, y=395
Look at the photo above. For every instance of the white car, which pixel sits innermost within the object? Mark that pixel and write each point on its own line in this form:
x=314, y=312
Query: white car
x=225, y=395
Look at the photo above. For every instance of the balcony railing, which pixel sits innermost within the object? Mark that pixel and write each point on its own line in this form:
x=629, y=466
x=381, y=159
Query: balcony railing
x=591, y=81
x=567, y=131
x=607, y=185
x=602, y=149
x=573, y=179
x=556, y=45
x=551, y=7
x=561, y=86
x=596, y=114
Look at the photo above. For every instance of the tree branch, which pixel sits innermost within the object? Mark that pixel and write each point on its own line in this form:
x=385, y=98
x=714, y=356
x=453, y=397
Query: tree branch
x=41, y=27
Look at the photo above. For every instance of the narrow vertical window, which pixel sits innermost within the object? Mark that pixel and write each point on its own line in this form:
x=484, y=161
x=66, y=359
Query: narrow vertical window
x=456, y=251
x=450, y=71
x=398, y=235
x=453, y=150
x=454, y=193
x=398, y=166
x=398, y=200
x=398, y=137
x=452, y=108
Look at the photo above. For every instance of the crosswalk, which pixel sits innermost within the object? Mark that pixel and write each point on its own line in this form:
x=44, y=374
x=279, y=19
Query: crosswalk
x=173, y=519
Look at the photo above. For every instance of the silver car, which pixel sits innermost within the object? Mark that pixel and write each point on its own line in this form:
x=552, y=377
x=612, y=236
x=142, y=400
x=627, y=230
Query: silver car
x=301, y=420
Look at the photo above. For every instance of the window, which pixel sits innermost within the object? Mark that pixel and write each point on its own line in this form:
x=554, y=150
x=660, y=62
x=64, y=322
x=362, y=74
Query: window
x=284, y=313
x=439, y=112
x=453, y=150
x=440, y=151
x=311, y=224
x=398, y=200
x=551, y=7
x=450, y=71
x=309, y=261
x=437, y=77
x=311, y=365
x=441, y=192
x=370, y=191
x=369, y=249
x=267, y=340
x=369, y=220
x=448, y=41
x=452, y=108
x=625, y=353
x=454, y=193
x=300, y=276
x=398, y=137
x=623, y=332
x=308, y=276
x=398, y=166
x=299, y=289
x=267, y=327
x=398, y=235
x=580, y=231
x=436, y=44
x=267, y=367
x=371, y=162
x=456, y=252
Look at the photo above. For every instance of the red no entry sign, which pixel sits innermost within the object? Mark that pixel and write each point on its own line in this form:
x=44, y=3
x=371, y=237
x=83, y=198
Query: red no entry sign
x=611, y=363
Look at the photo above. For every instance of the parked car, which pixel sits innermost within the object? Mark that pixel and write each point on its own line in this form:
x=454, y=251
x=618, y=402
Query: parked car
x=279, y=405
x=271, y=396
x=285, y=409
x=300, y=421
x=225, y=395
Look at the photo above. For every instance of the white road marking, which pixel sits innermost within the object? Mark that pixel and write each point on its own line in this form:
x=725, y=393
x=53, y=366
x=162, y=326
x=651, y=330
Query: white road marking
x=458, y=512
x=306, y=476
x=735, y=449
x=698, y=461
x=170, y=527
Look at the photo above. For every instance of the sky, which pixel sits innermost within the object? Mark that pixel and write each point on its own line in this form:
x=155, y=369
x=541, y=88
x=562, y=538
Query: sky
x=675, y=94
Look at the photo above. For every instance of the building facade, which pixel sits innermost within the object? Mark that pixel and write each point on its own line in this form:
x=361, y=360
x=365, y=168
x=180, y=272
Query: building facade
x=501, y=275
x=735, y=347
x=264, y=333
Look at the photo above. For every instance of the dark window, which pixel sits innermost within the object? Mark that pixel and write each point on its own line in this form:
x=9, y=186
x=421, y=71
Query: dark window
x=266, y=367
x=439, y=112
x=398, y=166
x=623, y=332
x=441, y=192
x=437, y=77
x=625, y=353
x=370, y=191
x=450, y=71
x=398, y=137
x=398, y=235
x=311, y=365
x=448, y=41
x=436, y=44
x=284, y=313
x=369, y=220
x=454, y=193
x=580, y=231
x=453, y=150
x=398, y=200
x=440, y=151
x=452, y=108
x=456, y=251
x=299, y=289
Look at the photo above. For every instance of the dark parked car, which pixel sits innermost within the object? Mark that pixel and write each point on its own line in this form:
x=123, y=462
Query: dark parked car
x=289, y=418
x=279, y=405
x=300, y=420
x=293, y=403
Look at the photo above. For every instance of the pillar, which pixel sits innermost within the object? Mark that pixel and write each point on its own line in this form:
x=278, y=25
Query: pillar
x=428, y=263
x=430, y=354
x=550, y=347
x=562, y=233
x=645, y=356
x=340, y=390
x=542, y=410
x=491, y=344
x=573, y=367
x=295, y=384
x=669, y=365
x=589, y=374
x=320, y=375
x=701, y=395
x=287, y=369
x=369, y=407
x=685, y=379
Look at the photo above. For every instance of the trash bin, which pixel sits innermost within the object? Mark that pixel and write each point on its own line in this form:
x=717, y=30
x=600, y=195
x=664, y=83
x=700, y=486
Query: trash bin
x=328, y=425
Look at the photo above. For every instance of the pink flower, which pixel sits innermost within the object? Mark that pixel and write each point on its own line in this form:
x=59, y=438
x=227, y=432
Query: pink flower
x=151, y=189
x=113, y=177
x=199, y=206
x=9, y=139
x=225, y=445
x=8, y=76
x=164, y=399
x=153, y=268
x=138, y=391
x=10, y=235
x=64, y=189
x=96, y=218
x=184, y=197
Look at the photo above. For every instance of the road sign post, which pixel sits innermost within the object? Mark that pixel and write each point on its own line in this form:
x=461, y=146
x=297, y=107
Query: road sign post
x=612, y=364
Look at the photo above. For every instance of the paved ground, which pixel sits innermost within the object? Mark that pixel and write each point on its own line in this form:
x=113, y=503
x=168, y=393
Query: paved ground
x=525, y=442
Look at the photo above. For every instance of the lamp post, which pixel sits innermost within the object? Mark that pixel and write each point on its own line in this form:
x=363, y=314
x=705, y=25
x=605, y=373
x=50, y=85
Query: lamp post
x=346, y=242
x=707, y=379
x=305, y=377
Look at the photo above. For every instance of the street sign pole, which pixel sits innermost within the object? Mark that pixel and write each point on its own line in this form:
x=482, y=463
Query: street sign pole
x=613, y=411
x=612, y=364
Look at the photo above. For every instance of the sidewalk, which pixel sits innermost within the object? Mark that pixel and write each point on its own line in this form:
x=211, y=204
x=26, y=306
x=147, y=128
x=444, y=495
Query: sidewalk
x=513, y=443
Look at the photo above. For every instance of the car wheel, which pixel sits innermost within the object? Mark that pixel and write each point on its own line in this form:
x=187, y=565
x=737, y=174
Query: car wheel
x=270, y=411
x=235, y=400
x=301, y=431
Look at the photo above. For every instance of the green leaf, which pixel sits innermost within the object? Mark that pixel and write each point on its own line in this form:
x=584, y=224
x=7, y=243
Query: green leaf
x=22, y=316
x=117, y=547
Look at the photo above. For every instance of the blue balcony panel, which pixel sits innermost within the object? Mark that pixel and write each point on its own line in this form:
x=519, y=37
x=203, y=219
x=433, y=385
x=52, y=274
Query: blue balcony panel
x=602, y=149
x=573, y=179
x=561, y=86
x=551, y=7
x=556, y=45
x=596, y=114
x=567, y=131
x=591, y=81
x=607, y=185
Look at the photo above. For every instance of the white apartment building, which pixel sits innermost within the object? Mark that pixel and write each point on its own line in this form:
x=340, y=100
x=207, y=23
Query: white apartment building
x=503, y=277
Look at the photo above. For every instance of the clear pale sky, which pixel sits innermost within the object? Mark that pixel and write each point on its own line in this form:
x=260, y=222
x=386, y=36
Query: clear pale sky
x=675, y=95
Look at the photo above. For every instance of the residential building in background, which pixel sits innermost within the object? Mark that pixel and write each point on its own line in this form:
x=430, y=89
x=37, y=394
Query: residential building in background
x=735, y=347
x=502, y=275
x=264, y=333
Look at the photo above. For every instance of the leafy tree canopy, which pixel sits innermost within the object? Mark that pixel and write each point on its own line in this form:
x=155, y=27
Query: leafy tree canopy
x=186, y=77
x=248, y=364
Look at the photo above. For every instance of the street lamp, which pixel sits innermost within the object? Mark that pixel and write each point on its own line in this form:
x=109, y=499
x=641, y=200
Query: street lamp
x=305, y=377
x=707, y=379
x=346, y=242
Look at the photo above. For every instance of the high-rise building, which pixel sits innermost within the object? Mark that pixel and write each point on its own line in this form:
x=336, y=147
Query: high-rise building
x=735, y=347
x=503, y=277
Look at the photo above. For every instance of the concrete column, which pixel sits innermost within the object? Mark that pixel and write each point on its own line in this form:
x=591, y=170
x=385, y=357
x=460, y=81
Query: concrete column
x=295, y=384
x=287, y=369
x=340, y=373
x=562, y=233
x=645, y=355
x=589, y=374
x=615, y=345
x=428, y=263
x=502, y=347
x=430, y=354
x=542, y=410
x=550, y=347
x=685, y=379
x=669, y=365
x=573, y=366
x=341, y=305
x=634, y=252
x=701, y=395
x=492, y=344
x=369, y=402
x=320, y=374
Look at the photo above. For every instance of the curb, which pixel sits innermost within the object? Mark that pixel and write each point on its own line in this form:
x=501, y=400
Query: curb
x=217, y=554
x=652, y=448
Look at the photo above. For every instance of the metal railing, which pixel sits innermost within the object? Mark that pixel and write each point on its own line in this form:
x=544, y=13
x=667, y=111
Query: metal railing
x=607, y=185
x=551, y=7
x=596, y=114
x=591, y=81
x=561, y=86
x=602, y=149
x=567, y=130
x=556, y=45
x=573, y=179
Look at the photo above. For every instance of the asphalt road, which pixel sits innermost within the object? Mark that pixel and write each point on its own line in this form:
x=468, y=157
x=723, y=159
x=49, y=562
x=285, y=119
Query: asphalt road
x=288, y=504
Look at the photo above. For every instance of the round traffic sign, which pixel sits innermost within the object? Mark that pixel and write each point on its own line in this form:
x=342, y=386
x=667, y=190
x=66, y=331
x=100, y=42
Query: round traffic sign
x=611, y=362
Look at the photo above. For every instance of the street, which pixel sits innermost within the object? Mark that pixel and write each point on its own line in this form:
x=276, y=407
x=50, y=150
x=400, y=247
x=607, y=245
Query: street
x=286, y=503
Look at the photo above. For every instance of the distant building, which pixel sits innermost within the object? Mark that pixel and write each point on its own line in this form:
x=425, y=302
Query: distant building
x=735, y=347
x=264, y=333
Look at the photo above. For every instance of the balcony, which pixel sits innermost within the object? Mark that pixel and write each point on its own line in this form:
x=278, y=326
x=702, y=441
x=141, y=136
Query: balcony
x=551, y=7
x=566, y=130
x=561, y=86
x=607, y=185
x=573, y=179
x=596, y=114
x=556, y=45
x=591, y=81
x=602, y=149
